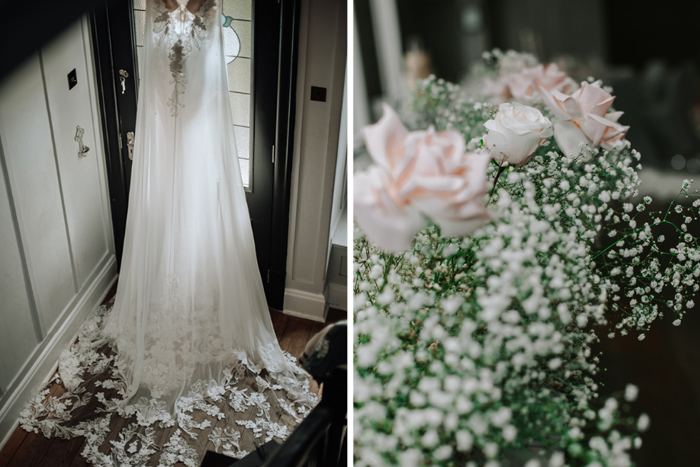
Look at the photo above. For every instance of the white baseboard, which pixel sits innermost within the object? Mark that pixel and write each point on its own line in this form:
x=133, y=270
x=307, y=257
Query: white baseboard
x=337, y=296
x=305, y=305
x=44, y=360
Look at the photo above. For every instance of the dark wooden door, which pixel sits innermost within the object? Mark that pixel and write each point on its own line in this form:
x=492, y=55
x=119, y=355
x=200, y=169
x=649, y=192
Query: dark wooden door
x=274, y=26
x=265, y=64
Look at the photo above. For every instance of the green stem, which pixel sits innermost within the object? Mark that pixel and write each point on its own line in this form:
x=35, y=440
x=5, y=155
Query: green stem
x=501, y=168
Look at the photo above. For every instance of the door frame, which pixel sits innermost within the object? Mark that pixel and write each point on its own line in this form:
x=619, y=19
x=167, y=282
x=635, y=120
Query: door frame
x=109, y=57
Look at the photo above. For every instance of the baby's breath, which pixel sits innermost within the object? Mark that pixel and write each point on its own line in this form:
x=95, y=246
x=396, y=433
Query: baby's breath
x=467, y=349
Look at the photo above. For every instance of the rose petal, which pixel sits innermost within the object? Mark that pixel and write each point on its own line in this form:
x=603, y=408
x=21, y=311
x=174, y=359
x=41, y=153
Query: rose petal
x=385, y=139
x=593, y=99
x=553, y=104
x=497, y=144
x=388, y=226
x=614, y=116
x=520, y=149
x=594, y=127
x=568, y=136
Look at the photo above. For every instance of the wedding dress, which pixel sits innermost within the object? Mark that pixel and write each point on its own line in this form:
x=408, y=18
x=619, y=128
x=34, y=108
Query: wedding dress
x=189, y=324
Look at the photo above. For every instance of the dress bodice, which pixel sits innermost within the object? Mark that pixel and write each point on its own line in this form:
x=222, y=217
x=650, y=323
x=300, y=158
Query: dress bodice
x=179, y=36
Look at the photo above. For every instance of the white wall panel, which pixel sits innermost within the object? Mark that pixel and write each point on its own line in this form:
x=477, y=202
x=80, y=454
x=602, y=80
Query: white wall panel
x=29, y=154
x=322, y=53
x=17, y=336
x=61, y=264
x=79, y=176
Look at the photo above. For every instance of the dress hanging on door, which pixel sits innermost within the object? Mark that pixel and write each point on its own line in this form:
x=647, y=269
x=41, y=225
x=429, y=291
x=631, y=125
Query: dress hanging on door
x=189, y=338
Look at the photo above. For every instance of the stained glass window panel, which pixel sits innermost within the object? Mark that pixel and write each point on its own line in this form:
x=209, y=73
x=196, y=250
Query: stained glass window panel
x=244, y=30
x=139, y=52
x=140, y=24
x=232, y=43
x=239, y=75
x=245, y=171
x=240, y=108
x=242, y=141
x=238, y=9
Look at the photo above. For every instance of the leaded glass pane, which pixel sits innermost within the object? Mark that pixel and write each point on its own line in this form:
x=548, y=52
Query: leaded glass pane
x=245, y=171
x=232, y=43
x=244, y=31
x=240, y=108
x=239, y=9
x=139, y=53
x=140, y=24
x=242, y=141
x=238, y=39
x=239, y=75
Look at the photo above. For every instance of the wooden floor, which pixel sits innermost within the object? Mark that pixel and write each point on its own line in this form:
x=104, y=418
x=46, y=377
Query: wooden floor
x=29, y=449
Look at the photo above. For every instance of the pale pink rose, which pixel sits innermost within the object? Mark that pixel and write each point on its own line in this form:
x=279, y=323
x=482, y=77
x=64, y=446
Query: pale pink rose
x=523, y=86
x=515, y=133
x=584, y=117
x=418, y=175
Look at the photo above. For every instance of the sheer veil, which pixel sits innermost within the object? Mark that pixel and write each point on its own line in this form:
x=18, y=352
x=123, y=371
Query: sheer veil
x=190, y=318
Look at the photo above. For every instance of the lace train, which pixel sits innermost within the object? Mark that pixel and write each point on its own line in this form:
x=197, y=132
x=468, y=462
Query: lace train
x=92, y=402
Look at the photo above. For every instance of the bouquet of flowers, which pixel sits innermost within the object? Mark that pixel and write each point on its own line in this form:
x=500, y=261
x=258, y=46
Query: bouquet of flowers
x=489, y=249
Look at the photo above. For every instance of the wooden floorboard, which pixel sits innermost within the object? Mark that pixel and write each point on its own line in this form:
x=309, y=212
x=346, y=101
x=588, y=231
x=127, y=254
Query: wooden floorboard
x=279, y=322
x=31, y=450
x=62, y=452
x=25, y=449
x=296, y=335
x=12, y=446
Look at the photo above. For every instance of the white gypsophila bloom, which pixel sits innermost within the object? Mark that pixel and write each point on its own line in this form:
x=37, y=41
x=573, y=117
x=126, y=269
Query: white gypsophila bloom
x=631, y=392
x=486, y=321
x=557, y=460
x=643, y=422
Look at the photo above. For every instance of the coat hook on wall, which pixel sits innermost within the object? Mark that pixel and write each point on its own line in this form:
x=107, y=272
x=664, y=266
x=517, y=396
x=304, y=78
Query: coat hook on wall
x=82, y=149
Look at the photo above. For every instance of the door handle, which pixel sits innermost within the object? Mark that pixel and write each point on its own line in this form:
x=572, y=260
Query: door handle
x=123, y=75
x=130, y=144
x=82, y=149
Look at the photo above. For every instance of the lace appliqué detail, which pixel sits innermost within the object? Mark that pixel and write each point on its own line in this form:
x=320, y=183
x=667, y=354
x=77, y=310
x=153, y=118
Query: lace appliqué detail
x=177, y=450
x=180, y=31
x=228, y=439
x=274, y=430
x=91, y=363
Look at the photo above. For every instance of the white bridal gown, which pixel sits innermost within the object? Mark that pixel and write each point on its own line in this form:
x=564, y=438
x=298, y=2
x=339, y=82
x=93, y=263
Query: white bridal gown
x=190, y=317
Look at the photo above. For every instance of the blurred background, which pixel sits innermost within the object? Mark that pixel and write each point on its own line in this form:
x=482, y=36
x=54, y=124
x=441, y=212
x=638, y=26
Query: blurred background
x=649, y=55
x=651, y=58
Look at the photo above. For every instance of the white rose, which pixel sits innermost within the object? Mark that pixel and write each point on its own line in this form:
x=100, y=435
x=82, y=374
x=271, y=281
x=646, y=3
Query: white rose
x=516, y=132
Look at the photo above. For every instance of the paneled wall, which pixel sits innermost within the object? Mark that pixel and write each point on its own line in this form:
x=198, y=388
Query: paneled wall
x=56, y=247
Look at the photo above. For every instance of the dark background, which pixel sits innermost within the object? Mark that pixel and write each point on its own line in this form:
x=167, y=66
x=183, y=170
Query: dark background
x=649, y=55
